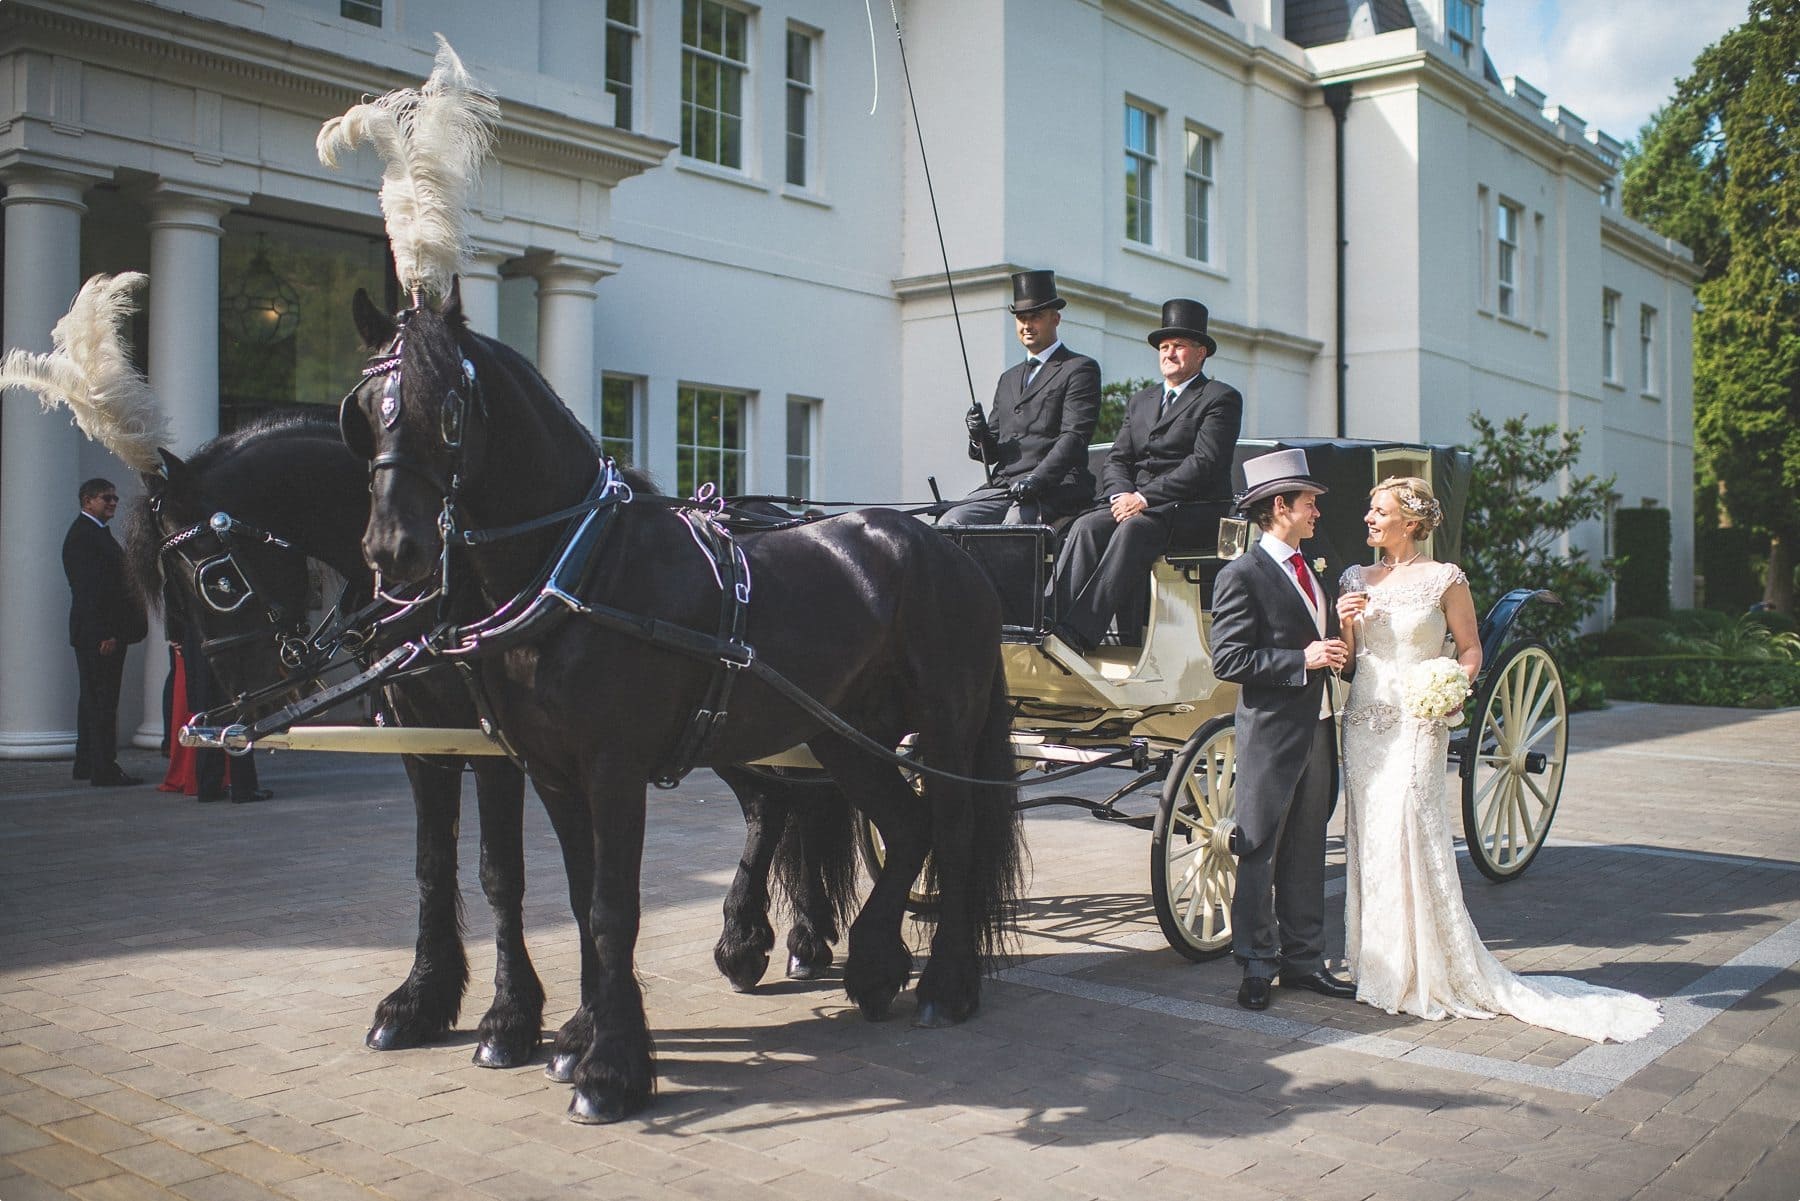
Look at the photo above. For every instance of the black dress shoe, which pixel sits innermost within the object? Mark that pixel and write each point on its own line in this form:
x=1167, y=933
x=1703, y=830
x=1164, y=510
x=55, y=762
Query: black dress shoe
x=1323, y=983
x=82, y=773
x=207, y=798
x=245, y=798
x=115, y=779
x=1253, y=993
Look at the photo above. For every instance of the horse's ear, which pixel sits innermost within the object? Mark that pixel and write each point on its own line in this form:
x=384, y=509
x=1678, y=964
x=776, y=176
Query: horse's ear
x=375, y=327
x=173, y=468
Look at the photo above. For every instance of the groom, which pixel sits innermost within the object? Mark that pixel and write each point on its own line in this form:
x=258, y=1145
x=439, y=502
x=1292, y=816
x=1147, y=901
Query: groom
x=1274, y=634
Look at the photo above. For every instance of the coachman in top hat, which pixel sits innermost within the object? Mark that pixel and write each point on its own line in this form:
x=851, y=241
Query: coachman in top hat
x=1035, y=446
x=1172, y=453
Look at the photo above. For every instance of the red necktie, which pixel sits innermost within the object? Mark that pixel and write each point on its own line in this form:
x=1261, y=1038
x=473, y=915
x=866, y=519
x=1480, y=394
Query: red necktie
x=1298, y=563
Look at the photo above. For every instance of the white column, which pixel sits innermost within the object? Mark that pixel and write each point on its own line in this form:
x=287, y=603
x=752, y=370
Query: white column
x=566, y=294
x=39, y=473
x=479, y=285
x=184, y=361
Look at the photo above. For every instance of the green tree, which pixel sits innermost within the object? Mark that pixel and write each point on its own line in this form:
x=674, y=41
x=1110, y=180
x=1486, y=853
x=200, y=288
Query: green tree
x=1112, y=408
x=1523, y=499
x=1714, y=169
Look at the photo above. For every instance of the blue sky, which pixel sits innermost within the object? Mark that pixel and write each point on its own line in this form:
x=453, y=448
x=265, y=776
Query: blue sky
x=1612, y=62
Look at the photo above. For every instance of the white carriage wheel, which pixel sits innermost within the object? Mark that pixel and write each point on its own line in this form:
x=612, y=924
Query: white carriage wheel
x=1520, y=747
x=1192, y=870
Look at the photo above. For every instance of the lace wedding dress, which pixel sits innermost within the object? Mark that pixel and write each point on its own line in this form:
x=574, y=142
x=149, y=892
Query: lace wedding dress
x=1408, y=936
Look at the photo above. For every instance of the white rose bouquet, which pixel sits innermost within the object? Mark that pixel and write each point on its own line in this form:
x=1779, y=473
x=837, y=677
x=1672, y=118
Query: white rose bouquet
x=1436, y=689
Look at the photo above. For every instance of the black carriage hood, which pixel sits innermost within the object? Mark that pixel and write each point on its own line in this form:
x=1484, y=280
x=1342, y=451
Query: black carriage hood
x=1347, y=466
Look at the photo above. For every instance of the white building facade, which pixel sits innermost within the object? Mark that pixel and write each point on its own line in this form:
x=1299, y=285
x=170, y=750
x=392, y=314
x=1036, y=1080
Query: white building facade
x=726, y=263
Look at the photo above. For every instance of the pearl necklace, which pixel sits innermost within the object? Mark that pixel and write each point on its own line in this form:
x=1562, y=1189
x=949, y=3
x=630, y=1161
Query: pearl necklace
x=1393, y=566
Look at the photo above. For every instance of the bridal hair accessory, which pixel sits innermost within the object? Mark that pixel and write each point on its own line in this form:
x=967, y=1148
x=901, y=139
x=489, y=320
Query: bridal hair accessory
x=1435, y=691
x=1415, y=500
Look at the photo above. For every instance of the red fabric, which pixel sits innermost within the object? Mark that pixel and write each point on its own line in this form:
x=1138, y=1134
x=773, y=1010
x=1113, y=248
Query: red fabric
x=184, y=762
x=1298, y=563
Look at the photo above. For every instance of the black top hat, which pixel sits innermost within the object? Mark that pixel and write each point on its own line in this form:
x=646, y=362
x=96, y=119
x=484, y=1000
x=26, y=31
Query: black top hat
x=1274, y=473
x=1034, y=290
x=1184, y=319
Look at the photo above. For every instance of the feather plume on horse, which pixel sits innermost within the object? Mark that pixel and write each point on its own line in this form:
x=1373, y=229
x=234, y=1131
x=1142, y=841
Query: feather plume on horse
x=89, y=372
x=433, y=140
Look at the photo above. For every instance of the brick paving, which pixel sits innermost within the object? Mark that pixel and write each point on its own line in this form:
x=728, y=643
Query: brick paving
x=184, y=990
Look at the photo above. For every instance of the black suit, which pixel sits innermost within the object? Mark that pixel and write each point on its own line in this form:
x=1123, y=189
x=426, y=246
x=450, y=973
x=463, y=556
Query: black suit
x=1286, y=762
x=1040, y=429
x=101, y=607
x=1179, y=458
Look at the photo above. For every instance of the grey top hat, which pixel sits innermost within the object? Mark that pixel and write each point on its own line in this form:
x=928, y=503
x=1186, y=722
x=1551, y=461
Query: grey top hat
x=1274, y=473
x=1034, y=290
x=1184, y=319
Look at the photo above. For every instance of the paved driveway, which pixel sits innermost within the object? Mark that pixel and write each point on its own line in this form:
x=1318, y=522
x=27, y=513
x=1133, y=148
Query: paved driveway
x=184, y=990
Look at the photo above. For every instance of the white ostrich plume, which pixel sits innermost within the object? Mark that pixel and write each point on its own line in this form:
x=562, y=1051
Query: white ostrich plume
x=433, y=140
x=89, y=371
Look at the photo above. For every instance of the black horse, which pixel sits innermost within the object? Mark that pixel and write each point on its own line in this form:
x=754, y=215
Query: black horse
x=290, y=475
x=871, y=613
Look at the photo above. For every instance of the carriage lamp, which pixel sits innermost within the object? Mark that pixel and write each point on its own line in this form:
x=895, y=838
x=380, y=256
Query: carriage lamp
x=263, y=308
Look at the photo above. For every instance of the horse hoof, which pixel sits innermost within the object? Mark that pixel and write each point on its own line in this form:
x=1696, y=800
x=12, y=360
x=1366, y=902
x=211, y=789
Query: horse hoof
x=561, y=1068
x=384, y=1038
x=493, y=1055
x=748, y=976
x=876, y=1009
x=802, y=969
x=589, y=1112
x=933, y=1016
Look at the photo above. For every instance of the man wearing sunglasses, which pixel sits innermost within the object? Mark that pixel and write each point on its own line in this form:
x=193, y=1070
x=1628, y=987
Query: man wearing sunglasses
x=104, y=618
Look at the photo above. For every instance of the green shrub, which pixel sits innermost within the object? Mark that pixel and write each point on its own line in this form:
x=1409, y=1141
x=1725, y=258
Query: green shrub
x=1641, y=548
x=1701, y=680
x=1731, y=583
x=1112, y=408
x=1701, y=623
x=1774, y=620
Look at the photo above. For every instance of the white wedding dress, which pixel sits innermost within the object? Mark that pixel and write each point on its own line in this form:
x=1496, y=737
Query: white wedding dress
x=1408, y=936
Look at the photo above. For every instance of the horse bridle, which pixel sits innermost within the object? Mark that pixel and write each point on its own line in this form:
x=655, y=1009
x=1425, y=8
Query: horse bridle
x=226, y=581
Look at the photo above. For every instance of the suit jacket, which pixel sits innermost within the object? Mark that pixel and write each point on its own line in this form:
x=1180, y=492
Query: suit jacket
x=1043, y=429
x=1260, y=631
x=101, y=602
x=1180, y=455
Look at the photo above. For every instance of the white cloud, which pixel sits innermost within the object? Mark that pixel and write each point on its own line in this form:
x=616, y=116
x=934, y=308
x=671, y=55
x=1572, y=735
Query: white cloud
x=1613, y=62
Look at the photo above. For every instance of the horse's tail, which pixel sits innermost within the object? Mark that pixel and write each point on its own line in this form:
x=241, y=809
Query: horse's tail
x=998, y=858
x=817, y=851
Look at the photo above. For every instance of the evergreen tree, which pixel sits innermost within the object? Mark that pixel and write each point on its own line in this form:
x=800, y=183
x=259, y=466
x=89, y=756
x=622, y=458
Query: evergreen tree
x=1714, y=169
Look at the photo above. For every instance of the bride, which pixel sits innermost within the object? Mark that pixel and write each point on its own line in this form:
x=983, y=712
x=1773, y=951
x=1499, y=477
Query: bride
x=1408, y=936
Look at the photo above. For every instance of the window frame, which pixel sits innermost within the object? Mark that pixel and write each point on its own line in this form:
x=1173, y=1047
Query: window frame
x=1205, y=185
x=808, y=92
x=1141, y=208
x=809, y=407
x=1647, y=350
x=635, y=407
x=1507, y=258
x=348, y=9
x=694, y=55
x=633, y=88
x=688, y=467
x=1609, y=336
x=1462, y=43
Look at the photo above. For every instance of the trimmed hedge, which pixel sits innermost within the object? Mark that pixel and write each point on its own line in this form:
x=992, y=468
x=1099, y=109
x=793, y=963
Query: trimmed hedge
x=1731, y=583
x=1641, y=547
x=1700, y=680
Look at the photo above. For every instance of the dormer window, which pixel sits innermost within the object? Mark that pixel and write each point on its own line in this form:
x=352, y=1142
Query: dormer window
x=1459, y=23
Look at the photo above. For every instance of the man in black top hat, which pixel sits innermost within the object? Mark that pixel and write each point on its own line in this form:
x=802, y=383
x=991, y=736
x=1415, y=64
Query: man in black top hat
x=1173, y=451
x=1035, y=449
x=104, y=618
